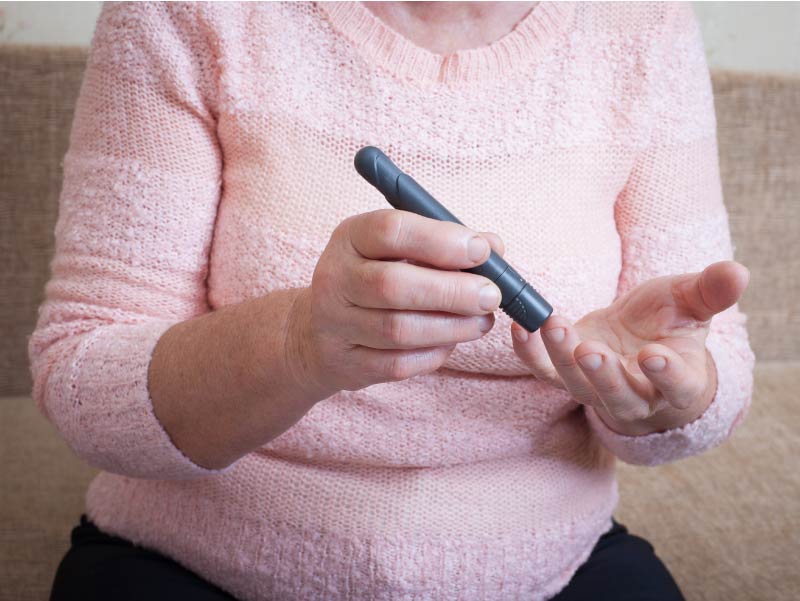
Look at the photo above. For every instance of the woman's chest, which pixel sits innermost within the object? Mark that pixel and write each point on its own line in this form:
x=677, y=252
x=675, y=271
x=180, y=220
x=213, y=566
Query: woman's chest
x=286, y=189
x=536, y=160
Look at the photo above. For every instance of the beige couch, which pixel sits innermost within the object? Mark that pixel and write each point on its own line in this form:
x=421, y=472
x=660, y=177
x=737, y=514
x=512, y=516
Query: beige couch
x=727, y=522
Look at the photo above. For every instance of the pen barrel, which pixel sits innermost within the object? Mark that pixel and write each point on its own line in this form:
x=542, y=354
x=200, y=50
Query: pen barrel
x=519, y=300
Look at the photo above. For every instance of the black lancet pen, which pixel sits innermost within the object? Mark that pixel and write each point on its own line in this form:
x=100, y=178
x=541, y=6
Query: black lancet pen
x=519, y=299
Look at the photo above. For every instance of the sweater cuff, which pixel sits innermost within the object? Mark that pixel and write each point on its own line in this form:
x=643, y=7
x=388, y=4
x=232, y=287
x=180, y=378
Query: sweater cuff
x=107, y=415
x=727, y=409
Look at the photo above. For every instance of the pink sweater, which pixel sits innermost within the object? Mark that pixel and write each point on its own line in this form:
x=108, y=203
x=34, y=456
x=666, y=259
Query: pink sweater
x=585, y=138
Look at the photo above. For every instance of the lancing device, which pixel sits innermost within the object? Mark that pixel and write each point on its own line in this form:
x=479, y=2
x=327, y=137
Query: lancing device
x=519, y=299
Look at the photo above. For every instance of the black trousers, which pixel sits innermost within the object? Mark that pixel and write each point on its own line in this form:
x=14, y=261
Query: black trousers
x=622, y=567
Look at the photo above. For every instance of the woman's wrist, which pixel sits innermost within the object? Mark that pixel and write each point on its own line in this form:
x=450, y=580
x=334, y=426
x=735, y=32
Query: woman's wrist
x=301, y=355
x=229, y=381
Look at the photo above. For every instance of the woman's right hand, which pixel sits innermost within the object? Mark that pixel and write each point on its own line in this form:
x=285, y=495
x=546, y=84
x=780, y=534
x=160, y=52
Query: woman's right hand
x=386, y=303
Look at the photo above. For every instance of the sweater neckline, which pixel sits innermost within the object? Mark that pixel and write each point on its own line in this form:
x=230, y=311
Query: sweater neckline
x=384, y=46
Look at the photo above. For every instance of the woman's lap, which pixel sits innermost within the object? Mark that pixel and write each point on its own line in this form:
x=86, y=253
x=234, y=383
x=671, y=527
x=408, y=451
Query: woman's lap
x=622, y=567
x=100, y=566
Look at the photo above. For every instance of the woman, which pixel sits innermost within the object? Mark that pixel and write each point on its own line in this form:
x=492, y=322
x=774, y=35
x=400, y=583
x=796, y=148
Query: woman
x=291, y=390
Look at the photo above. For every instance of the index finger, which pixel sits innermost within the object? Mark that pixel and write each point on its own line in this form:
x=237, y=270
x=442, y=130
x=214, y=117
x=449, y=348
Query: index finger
x=394, y=234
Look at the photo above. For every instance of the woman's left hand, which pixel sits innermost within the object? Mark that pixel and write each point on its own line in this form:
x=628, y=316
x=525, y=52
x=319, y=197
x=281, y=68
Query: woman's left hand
x=642, y=362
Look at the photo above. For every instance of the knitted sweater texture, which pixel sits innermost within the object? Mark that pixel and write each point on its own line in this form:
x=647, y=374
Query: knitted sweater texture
x=211, y=158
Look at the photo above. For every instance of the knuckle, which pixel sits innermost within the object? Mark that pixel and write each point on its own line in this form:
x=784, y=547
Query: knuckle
x=395, y=329
x=377, y=279
x=385, y=283
x=423, y=295
x=363, y=280
x=610, y=387
x=582, y=394
x=438, y=358
x=565, y=363
x=399, y=367
x=448, y=293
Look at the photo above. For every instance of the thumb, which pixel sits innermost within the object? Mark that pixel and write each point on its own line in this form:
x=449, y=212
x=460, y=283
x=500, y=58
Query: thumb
x=711, y=291
x=495, y=242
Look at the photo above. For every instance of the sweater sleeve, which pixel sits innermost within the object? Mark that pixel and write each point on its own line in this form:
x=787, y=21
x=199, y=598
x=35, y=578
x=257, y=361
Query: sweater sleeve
x=671, y=219
x=136, y=212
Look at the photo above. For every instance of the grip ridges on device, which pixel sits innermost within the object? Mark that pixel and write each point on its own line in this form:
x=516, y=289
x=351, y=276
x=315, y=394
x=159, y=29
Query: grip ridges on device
x=516, y=310
x=526, y=306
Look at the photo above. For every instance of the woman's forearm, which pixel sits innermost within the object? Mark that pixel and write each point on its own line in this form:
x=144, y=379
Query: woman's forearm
x=226, y=382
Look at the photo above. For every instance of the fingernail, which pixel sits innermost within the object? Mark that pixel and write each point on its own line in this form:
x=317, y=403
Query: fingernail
x=485, y=323
x=477, y=248
x=489, y=297
x=555, y=334
x=591, y=361
x=520, y=333
x=655, y=363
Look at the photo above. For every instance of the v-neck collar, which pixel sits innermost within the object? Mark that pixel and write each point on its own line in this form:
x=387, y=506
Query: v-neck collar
x=382, y=45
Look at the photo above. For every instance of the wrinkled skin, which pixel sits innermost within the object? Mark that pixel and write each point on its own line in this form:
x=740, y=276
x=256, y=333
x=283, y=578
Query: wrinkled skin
x=603, y=358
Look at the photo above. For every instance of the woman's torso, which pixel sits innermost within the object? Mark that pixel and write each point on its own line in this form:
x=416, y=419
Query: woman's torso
x=535, y=156
x=475, y=472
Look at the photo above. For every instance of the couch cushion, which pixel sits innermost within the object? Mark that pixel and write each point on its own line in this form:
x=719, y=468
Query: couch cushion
x=758, y=120
x=41, y=497
x=39, y=89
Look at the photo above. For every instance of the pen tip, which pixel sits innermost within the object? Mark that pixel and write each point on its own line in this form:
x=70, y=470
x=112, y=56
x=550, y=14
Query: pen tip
x=366, y=163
